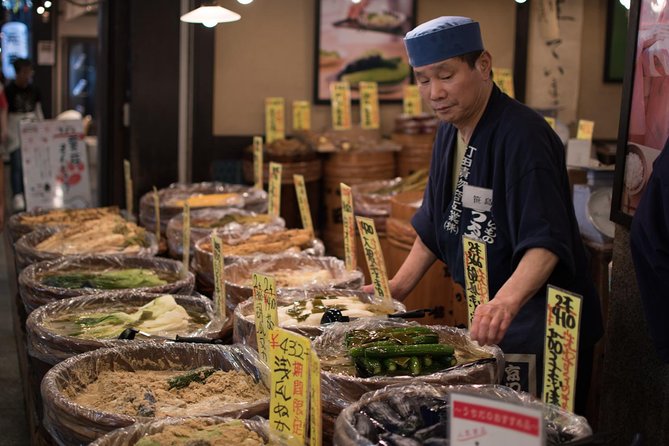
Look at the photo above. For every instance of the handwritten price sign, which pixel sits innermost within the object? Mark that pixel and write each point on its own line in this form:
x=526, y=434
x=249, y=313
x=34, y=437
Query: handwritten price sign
x=264, y=306
x=476, y=274
x=349, y=226
x=369, y=105
x=275, y=119
x=375, y=262
x=340, y=94
x=275, y=174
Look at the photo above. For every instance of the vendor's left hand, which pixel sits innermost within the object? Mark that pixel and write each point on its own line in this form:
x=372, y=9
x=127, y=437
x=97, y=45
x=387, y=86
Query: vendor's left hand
x=491, y=320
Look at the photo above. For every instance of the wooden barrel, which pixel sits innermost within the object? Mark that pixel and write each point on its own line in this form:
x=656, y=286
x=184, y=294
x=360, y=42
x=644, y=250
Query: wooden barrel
x=350, y=168
x=416, y=152
x=310, y=166
x=436, y=288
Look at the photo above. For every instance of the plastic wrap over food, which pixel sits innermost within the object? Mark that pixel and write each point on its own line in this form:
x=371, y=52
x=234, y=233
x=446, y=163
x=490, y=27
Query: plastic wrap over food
x=171, y=200
x=28, y=250
x=203, y=260
x=295, y=306
x=25, y=222
x=228, y=223
x=414, y=414
x=135, y=379
x=51, y=280
x=291, y=272
x=341, y=385
x=369, y=202
x=129, y=436
x=72, y=326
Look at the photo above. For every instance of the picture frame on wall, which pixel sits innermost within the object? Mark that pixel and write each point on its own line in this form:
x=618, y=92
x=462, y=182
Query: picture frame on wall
x=362, y=41
x=644, y=117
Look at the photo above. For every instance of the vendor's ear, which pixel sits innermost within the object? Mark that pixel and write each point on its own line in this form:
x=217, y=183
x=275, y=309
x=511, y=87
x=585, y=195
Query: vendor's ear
x=484, y=65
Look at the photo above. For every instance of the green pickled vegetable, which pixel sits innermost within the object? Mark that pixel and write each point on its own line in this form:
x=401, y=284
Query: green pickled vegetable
x=409, y=350
x=199, y=375
x=105, y=280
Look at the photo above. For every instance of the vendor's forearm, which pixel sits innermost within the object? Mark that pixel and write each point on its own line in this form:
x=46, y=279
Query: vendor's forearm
x=412, y=270
x=532, y=272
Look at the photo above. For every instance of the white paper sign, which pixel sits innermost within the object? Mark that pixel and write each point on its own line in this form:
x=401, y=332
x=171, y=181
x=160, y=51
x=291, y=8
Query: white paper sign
x=579, y=152
x=477, y=421
x=55, y=165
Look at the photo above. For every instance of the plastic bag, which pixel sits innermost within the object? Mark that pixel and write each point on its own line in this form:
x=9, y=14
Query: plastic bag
x=369, y=203
x=34, y=293
x=476, y=365
x=26, y=222
x=128, y=436
x=238, y=275
x=244, y=322
x=48, y=345
x=174, y=231
x=27, y=252
x=71, y=423
x=250, y=199
x=374, y=418
x=203, y=260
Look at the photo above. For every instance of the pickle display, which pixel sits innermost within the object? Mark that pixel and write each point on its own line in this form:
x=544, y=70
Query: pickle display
x=26, y=222
x=272, y=243
x=104, y=280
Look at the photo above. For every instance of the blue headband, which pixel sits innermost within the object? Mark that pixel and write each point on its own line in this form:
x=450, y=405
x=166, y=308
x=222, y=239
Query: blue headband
x=441, y=39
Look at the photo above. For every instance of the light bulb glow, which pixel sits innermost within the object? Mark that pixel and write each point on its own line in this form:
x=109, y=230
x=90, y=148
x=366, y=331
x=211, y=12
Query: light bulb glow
x=40, y=10
x=355, y=1
x=47, y=4
x=521, y=1
x=209, y=23
x=245, y=2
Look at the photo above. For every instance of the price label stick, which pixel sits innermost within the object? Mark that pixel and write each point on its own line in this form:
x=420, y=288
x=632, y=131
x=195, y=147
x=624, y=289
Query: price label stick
x=274, y=205
x=550, y=121
x=585, y=129
x=156, y=212
x=301, y=115
x=303, y=203
x=369, y=105
x=219, y=279
x=340, y=100
x=411, y=101
x=275, y=127
x=186, y=237
x=476, y=274
x=315, y=415
x=257, y=162
x=504, y=80
x=127, y=173
x=290, y=356
x=264, y=305
x=375, y=263
x=563, y=316
x=349, y=227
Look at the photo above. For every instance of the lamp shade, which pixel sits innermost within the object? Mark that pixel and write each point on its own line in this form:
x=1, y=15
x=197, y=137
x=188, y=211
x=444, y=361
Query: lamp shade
x=210, y=15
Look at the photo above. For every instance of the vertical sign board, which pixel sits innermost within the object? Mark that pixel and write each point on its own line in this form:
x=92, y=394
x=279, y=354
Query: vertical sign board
x=550, y=121
x=257, y=162
x=55, y=165
x=219, y=280
x=411, y=101
x=375, y=262
x=274, y=189
x=340, y=94
x=275, y=125
x=349, y=227
x=315, y=414
x=475, y=257
x=290, y=355
x=185, y=237
x=301, y=115
x=479, y=421
x=563, y=316
x=303, y=203
x=265, y=308
x=504, y=80
x=369, y=105
x=585, y=129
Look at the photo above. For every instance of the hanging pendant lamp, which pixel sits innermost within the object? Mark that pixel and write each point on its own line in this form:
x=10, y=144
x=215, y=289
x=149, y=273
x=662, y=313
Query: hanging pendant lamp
x=210, y=14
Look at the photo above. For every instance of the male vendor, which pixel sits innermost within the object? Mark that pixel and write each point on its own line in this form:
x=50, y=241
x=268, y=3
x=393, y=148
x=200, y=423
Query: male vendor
x=498, y=175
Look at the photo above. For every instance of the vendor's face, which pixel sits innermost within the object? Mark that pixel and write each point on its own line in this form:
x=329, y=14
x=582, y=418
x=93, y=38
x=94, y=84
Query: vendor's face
x=455, y=91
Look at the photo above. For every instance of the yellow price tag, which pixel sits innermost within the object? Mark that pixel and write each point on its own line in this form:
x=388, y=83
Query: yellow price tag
x=340, y=99
x=315, y=415
x=275, y=126
x=375, y=262
x=411, y=102
x=563, y=316
x=550, y=121
x=301, y=115
x=264, y=306
x=274, y=205
x=127, y=173
x=303, y=203
x=504, y=80
x=156, y=212
x=369, y=105
x=476, y=274
x=290, y=356
x=585, y=129
x=219, y=279
x=186, y=236
x=349, y=227
x=257, y=162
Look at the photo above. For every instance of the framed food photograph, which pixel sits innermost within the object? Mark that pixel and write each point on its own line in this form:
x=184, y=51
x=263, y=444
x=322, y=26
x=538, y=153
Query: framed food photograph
x=362, y=42
x=644, y=116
